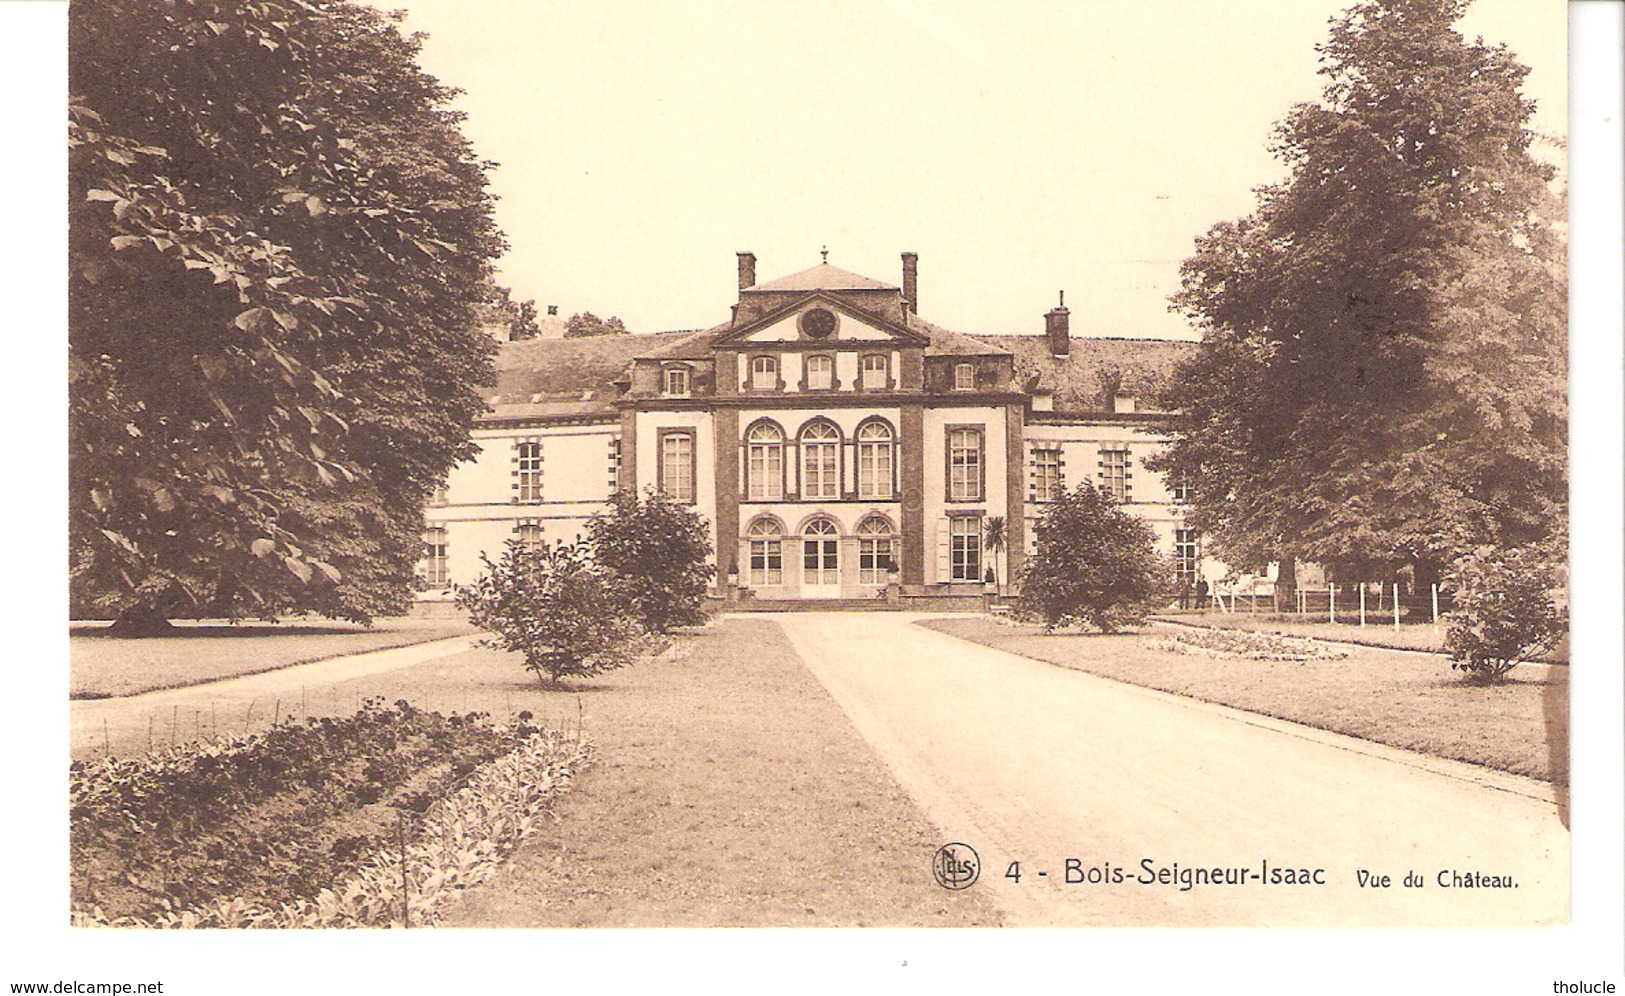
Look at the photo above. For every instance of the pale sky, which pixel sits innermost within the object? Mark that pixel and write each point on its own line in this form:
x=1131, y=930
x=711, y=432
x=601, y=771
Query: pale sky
x=1020, y=148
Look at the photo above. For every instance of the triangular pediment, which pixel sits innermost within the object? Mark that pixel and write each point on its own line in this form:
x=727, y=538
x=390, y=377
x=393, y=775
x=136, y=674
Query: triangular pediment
x=791, y=324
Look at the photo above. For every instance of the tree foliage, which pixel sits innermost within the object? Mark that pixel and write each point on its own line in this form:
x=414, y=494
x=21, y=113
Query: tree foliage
x=517, y=319
x=1381, y=380
x=279, y=241
x=1504, y=613
x=1095, y=564
x=555, y=605
x=657, y=551
x=588, y=324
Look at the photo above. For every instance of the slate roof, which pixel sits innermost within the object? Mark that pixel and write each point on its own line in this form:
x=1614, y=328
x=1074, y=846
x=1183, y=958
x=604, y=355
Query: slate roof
x=1139, y=367
x=822, y=277
x=573, y=376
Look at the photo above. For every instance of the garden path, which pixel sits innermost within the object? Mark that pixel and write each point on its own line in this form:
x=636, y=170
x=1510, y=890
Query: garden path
x=1039, y=764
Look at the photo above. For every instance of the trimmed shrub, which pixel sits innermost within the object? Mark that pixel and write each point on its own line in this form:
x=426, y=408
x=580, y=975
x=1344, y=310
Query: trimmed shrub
x=1505, y=613
x=1095, y=565
x=557, y=607
x=656, y=551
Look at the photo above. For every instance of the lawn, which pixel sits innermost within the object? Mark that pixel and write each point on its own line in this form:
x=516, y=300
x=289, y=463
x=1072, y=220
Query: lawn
x=1401, y=700
x=731, y=791
x=101, y=666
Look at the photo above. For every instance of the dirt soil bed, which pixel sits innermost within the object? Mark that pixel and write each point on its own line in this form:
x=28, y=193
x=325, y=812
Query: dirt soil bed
x=101, y=666
x=730, y=790
x=1402, y=700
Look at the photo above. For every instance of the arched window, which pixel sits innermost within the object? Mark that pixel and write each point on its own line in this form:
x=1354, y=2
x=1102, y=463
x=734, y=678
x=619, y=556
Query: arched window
x=820, y=557
x=820, y=373
x=677, y=381
x=877, y=550
x=766, y=553
x=764, y=462
x=820, y=461
x=964, y=376
x=875, y=461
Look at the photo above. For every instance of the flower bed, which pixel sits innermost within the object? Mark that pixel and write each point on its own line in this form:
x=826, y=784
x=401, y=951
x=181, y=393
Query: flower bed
x=308, y=825
x=1241, y=644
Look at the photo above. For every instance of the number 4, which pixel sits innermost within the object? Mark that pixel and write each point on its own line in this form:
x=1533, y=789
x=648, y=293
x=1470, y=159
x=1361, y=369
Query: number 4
x=1013, y=873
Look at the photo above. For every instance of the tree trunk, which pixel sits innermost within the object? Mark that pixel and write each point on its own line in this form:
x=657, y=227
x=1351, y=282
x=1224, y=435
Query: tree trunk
x=1286, y=583
x=141, y=620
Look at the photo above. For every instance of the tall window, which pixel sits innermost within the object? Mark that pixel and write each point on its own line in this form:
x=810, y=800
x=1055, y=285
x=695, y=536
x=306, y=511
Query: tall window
x=965, y=548
x=876, y=550
x=435, y=558
x=764, y=373
x=1114, y=475
x=820, y=461
x=677, y=382
x=529, y=533
x=1187, y=556
x=820, y=373
x=1046, y=474
x=964, y=376
x=820, y=559
x=874, y=372
x=528, y=475
x=764, y=463
x=766, y=553
x=874, y=460
x=1179, y=489
x=677, y=464
x=440, y=496
x=964, y=464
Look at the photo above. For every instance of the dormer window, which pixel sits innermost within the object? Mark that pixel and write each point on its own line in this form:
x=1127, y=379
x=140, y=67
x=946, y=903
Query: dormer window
x=764, y=373
x=964, y=376
x=677, y=382
x=820, y=373
x=875, y=374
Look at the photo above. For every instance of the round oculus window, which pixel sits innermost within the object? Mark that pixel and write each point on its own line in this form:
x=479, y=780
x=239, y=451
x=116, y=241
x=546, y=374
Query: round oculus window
x=818, y=323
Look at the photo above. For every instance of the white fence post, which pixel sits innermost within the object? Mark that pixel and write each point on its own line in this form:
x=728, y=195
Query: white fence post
x=1362, y=604
x=1396, y=605
x=1435, y=603
x=1331, y=600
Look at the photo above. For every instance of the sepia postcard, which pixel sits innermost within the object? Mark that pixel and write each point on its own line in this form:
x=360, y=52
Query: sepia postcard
x=540, y=472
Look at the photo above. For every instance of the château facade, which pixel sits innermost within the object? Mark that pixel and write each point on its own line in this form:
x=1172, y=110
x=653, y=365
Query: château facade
x=839, y=445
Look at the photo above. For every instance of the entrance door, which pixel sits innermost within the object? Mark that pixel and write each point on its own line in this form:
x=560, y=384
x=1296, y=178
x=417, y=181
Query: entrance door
x=820, y=560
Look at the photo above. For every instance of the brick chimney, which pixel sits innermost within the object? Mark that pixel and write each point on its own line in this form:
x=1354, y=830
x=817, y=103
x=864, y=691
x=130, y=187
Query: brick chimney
x=911, y=282
x=1056, y=326
x=747, y=270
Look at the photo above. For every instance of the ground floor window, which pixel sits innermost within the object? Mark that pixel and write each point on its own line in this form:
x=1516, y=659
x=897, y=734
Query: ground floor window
x=434, y=558
x=877, y=551
x=820, y=556
x=1187, y=557
x=766, y=554
x=965, y=548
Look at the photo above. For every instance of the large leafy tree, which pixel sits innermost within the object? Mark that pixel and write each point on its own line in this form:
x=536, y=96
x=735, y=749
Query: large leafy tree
x=1381, y=380
x=279, y=245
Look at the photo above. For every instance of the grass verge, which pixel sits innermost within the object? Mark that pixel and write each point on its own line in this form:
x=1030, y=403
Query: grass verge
x=102, y=667
x=1520, y=726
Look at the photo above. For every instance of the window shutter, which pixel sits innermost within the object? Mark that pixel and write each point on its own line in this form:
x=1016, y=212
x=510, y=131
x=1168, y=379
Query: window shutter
x=943, y=565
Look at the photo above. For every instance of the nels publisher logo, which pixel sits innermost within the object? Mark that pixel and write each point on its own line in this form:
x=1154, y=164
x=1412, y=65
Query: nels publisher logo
x=956, y=866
